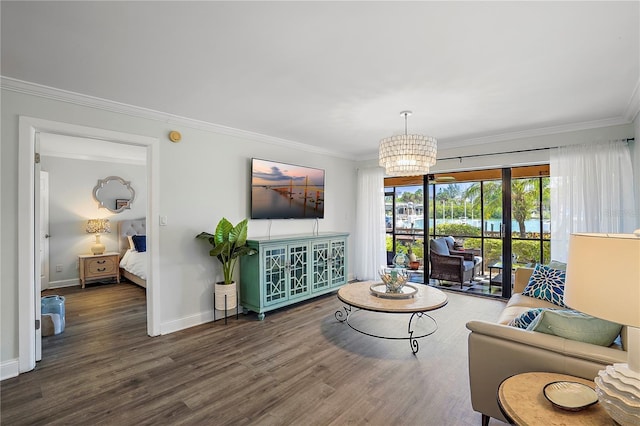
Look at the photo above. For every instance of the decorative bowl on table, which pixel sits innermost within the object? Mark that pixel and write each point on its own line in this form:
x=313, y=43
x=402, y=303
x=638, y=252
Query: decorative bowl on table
x=394, y=279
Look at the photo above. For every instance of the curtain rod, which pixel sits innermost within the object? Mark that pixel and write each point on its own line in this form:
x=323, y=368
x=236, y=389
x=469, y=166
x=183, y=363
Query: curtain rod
x=460, y=157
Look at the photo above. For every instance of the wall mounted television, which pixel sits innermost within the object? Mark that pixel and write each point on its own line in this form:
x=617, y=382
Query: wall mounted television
x=286, y=191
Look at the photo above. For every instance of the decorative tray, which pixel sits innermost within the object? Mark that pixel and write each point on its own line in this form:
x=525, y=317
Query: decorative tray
x=571, y=396
x=380, y=290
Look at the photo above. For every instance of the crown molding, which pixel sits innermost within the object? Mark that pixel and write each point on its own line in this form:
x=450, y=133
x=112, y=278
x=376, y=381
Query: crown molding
x=633, y=108
x=541, y=131
x=39, y=90
x=531, y=133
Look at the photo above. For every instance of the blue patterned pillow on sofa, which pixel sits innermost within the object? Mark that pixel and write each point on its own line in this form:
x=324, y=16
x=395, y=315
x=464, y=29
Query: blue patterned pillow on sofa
x=546, y=284
x=524, y=319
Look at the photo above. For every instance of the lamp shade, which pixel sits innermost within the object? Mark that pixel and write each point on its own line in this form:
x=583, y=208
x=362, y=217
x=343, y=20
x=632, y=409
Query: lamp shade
x=603, y=277
x=603, y=280
x=407, y=155
x=98, y=226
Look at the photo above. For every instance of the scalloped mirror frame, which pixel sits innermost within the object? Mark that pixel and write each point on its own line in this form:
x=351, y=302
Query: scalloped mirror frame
x=102, y=183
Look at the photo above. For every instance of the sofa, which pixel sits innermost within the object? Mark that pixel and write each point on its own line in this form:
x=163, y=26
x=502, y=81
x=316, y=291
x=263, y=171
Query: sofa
x=498, y=351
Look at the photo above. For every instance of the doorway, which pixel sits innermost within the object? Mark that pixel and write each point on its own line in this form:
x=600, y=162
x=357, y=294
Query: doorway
x=29, y=226
x=75, y=167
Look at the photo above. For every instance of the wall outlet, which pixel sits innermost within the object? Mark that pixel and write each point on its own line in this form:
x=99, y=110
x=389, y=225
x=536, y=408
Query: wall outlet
x=58, y=268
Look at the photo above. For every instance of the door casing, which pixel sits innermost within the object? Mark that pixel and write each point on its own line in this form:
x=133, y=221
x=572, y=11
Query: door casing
x=29, y=242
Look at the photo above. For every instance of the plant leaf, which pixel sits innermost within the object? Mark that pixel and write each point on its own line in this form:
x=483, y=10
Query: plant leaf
x=205, y=236
x=238, y=235
x=242, y=251
x=222, y=230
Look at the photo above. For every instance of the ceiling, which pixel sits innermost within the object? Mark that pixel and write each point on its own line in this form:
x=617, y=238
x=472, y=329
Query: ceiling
x=336, y=75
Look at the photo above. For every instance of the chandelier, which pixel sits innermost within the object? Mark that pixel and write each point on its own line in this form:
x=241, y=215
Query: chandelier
x=407, y=155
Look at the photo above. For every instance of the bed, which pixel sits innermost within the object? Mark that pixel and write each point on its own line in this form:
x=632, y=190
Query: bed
x=133, y=264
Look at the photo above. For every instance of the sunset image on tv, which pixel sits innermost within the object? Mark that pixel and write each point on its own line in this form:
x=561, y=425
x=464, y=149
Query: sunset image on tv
x=286, y=191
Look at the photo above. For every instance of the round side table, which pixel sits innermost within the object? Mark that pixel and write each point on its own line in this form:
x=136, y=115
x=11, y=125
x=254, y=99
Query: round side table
x=523, y=403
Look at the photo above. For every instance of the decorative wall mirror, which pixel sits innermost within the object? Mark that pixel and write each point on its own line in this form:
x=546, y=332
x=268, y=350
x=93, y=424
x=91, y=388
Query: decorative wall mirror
x=114, y=194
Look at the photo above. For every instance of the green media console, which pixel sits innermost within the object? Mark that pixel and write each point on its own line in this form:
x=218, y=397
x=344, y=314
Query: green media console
x=291, y=268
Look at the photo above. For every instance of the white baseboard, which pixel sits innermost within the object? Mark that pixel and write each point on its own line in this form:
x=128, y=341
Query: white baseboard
x=9, y=369
x=63, y=283
x=192, y=321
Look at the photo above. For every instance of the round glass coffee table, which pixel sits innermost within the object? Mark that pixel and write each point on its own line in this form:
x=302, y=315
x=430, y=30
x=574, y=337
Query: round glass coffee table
x=360, y=296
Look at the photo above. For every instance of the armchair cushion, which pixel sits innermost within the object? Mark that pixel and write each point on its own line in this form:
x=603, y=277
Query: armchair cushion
x=468, y=265
x=546, y=284
x=439, y=246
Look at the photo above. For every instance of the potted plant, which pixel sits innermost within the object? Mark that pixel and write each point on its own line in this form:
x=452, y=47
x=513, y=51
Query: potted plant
x=229, y=244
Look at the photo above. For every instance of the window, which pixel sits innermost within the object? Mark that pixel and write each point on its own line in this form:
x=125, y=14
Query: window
x=470, y=206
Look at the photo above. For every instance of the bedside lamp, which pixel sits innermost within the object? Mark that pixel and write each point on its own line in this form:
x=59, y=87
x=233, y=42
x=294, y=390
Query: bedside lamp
x=613, y=295
x=98, y=226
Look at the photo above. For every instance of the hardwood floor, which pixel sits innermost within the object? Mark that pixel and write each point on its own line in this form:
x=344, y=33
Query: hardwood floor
x=297, y=367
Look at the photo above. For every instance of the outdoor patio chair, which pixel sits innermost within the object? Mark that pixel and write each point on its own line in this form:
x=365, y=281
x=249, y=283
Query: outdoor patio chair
x=457, y=267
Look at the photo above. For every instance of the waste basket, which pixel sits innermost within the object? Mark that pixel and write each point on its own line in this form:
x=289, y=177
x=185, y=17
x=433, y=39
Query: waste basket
x=53, y=315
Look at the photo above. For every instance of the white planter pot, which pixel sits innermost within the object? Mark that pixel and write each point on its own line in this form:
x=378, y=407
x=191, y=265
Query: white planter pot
x=230, y=291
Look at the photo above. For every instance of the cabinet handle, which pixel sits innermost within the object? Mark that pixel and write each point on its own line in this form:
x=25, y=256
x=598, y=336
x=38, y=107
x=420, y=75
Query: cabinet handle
x=102, y=269
x=101, y=261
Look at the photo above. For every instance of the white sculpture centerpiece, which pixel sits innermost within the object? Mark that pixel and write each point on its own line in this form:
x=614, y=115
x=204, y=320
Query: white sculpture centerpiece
x=394, y=279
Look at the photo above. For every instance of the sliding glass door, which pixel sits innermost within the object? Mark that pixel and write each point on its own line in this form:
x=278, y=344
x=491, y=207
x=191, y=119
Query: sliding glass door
x=500, y=215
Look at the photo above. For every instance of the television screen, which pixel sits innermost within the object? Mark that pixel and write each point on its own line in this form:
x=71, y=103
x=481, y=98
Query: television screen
x=286, y=191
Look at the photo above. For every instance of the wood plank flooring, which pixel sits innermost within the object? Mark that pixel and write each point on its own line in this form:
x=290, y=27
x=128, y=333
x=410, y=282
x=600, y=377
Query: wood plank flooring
x=297, y=367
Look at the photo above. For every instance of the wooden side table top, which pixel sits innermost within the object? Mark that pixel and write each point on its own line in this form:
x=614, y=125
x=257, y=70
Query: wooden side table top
x=523, y=402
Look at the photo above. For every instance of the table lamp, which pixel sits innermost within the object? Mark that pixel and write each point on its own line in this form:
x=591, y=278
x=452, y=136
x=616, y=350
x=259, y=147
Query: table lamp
x=98, y=226
x=603, y=280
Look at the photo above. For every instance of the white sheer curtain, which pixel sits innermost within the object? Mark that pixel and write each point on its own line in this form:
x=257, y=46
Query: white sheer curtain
x=370, y=249
x=591, y=191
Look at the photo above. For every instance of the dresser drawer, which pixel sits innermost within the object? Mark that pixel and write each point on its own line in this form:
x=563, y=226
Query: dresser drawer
x=99, y=267
x=104, y=265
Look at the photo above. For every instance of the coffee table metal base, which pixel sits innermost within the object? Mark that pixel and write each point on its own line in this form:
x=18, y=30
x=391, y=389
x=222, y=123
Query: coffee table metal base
x=348, y=312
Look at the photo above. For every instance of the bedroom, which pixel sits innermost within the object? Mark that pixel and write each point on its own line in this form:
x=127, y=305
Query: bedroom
x=74, y=167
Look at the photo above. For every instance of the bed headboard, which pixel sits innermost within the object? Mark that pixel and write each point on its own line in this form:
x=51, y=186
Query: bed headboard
x=129, y=228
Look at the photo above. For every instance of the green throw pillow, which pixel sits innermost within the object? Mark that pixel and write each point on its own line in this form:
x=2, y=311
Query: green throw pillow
x=575, y=325
x=556, y=264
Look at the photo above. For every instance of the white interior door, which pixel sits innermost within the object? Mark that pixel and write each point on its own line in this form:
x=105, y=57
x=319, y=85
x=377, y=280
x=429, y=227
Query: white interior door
x=44, y=230
x=38, y=233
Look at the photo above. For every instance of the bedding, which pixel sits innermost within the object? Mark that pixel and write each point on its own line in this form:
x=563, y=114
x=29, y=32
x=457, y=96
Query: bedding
x=133, y=262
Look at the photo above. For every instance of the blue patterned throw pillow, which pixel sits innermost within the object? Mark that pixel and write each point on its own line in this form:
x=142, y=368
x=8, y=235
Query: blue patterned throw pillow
x=546, y=284
x=524, y=319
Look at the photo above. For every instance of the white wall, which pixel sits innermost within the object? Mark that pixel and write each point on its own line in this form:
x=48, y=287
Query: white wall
x=635, y=152
x=71, y=203
x=202, y=178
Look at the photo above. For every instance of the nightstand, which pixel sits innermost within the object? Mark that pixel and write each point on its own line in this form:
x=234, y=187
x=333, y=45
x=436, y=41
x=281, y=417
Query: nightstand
x=105, y=265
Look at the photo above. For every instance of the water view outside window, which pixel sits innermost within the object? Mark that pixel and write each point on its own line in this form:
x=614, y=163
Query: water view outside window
x=471, y=212
x=405, y=225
